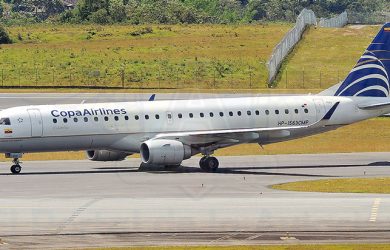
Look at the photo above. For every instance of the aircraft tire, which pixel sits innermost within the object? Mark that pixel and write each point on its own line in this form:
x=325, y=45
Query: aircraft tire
x=209, y=164
x=15, y=169
x=202, y=165
x=212, y=164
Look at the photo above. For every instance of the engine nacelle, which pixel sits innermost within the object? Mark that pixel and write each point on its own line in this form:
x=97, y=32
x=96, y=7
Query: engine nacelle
x=164, y=152
x=106, y=155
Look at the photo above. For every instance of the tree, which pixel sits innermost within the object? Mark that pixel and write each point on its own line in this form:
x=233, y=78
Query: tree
x=4, y=37
x=86, y=7
x=118, y=10
x=255, y=10
x=101, y=17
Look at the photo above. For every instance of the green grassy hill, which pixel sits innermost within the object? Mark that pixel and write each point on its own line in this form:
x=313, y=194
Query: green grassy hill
x=325, y=56
x=176, y=56
x=183, y=56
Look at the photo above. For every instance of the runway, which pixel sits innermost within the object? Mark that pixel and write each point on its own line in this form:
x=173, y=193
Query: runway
x=57, y=204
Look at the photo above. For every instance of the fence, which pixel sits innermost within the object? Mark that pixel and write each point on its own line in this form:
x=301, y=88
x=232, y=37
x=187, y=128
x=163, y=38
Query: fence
x=164, y=75
x=337, y=22
x=281, y=50
x=292, y=37
x=310, y=79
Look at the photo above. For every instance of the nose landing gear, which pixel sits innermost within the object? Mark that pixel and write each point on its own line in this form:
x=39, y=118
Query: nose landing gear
x=16, y=168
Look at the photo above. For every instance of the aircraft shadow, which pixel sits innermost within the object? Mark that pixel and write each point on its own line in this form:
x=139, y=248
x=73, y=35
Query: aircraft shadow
x=189, y=169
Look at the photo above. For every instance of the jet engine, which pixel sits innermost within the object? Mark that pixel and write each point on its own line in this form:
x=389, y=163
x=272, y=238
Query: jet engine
x=164, y=152
x=106, y=155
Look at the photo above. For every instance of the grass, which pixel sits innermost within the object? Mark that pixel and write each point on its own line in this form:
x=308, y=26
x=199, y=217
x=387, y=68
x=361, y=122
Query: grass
x=325, y=56
x=367, y=136
x=350, y=185
x=265, y=247
x=170, y=56
x=156, y=90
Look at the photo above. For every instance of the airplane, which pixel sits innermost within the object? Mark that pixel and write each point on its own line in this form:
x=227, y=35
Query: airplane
x=170, y=131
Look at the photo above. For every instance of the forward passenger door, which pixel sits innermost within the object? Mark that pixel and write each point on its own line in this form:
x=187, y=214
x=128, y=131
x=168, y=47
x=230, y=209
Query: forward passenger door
x=35, y=122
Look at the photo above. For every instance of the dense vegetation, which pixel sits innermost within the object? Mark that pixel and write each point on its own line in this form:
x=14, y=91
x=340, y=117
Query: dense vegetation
x=176, y=11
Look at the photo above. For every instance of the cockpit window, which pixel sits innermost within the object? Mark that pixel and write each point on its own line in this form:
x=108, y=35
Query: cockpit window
x=5, y=121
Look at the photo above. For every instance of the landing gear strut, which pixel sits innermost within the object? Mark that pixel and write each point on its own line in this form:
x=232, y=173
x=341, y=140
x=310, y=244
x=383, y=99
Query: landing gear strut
x=16, y=168
x=209, y=164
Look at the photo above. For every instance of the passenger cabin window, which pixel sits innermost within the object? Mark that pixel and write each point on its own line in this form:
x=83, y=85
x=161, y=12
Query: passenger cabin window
x=116, y=118
x=248, y=112
x=267, y=112
x=276, y=111
x=147, y=117
x=286, y=111
x=126, y=118
x=96, y=119
x=239, y=113
x=306, y=111
x=211, y=114
x=191, y=115
x=180, y=115
x=106, y=118
x=85, y=119
x=75, y=119
x=257, y=112
x=231, y=113
x=54, y=120
x=220, y=114
x=136, y=117
x=5, y=121
x=65, y=120
x=201, y=115
x=296, y=111
x=158, y=117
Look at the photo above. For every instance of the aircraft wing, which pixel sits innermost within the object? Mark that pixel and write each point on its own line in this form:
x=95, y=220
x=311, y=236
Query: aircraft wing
x=225, y=135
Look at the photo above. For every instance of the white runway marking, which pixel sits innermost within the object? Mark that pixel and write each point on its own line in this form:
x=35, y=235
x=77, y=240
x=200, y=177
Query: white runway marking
x=226, y=237
x=374, y=209
x=253, y=237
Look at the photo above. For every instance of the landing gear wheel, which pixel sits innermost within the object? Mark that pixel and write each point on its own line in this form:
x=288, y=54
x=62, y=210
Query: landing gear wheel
x=212, y=163
x=201, y=163
x=15, y=169
x=209, y=164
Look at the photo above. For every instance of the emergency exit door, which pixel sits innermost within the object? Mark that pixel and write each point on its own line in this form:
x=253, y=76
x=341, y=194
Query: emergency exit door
x=36, y=122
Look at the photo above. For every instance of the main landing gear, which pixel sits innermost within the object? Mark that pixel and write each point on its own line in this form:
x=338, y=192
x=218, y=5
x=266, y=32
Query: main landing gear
x=209, y=163
x=16, y=168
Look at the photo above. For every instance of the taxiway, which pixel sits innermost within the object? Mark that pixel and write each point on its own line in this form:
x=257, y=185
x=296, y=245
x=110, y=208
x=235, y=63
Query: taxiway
x=82, y=203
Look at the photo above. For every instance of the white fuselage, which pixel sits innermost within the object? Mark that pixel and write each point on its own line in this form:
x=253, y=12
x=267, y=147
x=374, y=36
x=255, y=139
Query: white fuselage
x=124, y=126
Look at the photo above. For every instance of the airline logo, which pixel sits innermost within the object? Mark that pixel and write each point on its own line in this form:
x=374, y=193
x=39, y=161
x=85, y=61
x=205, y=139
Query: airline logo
x=370, y=76
x=86, y=112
